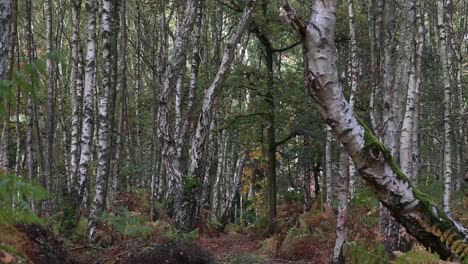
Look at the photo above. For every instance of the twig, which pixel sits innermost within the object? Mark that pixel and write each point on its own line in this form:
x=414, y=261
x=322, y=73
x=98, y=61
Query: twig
x=123, y=253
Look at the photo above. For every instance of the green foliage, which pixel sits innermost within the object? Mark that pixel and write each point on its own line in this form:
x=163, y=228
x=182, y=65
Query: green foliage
x=216, y=225
x=357, y=253
x=17, y=191
x=81, y=230
x=417, y=255
x=173, y=235
x=364, y=197
x=190, y=183
x=293, y=195
x=127, y=223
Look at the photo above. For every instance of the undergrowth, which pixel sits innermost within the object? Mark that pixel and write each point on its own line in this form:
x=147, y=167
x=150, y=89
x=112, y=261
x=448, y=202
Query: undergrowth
x=16, y=197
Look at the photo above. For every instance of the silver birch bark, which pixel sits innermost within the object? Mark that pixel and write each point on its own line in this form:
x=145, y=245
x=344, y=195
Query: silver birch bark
x=104, y=116
x=166, y=130
x=5, y=26
x=354, y=71
x=76, y=92
x=409, y=131
x=218, y=174
x=328, y=169
x=120, y=137
x=342, y=218
x=397, y=56
x=211, y=92
x=30, y=151
x=50, y=119
x=429, y=225
x=87, y=125
x=234, y=187
x=182, y=135
x=444, y=59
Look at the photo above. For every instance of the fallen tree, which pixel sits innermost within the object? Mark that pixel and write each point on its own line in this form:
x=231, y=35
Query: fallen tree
x=410, y=207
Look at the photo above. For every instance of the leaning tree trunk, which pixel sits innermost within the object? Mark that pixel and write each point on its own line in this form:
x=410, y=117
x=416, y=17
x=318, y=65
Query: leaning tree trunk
x=429, y=225
x=444, y=59
x=197, y=144
x=209, y=95
x=166, y=129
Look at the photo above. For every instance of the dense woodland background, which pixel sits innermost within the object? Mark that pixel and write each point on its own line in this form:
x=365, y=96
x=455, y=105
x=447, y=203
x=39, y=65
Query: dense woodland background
x=190, y=120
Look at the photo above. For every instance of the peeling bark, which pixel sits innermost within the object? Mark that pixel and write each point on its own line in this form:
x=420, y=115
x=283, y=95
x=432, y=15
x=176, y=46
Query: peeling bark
x=76, y=93
x=429, y=225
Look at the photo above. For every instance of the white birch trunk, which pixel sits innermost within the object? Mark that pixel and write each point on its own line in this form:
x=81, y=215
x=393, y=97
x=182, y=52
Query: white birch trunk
x=354, y=72
x=429, y=225
x=342, y=218
x=196, y=57
x=444, y=59
x=211, y=92
x=328, y=168
x=166, y=130
x=50, y=119
x=103, y=142
x=76, y=92
x=5, y=43
x=87, y=125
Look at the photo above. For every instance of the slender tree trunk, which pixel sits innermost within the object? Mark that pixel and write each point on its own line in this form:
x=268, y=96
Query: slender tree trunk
x=429, y=225
x=183, y=131
x=441, y=25
x=209, y=96
x=342, y=218
x=354, y=72
x=6, y=9
x=87, y=126
x=5, y=25
x=307, y=167
x=30, y=112
x=120, y=137
x=76, y=92
x=50, y=122
x=328, y=169
x=166, y=130
x=104, y=115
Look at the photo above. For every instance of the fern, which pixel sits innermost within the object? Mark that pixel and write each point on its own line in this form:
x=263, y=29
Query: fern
x=127, y=224
x=18, y=192
x=357, y=253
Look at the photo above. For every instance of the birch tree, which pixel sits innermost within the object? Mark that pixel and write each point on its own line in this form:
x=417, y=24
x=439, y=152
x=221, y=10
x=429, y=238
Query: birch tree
x=342, y=218
x=165, y=127
x=76, y=92
x=104, y=116
x=5, y=26
x=88, y=100
x=408, y=138
x=444, y=59
x=50, y=120
x=429, y=225
x=354, y=71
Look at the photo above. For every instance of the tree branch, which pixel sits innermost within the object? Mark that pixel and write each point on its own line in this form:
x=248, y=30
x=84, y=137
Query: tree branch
x=292, y=134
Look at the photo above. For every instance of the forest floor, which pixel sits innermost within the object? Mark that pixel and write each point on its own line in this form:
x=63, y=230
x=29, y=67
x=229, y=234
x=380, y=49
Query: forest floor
x=126, y=237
